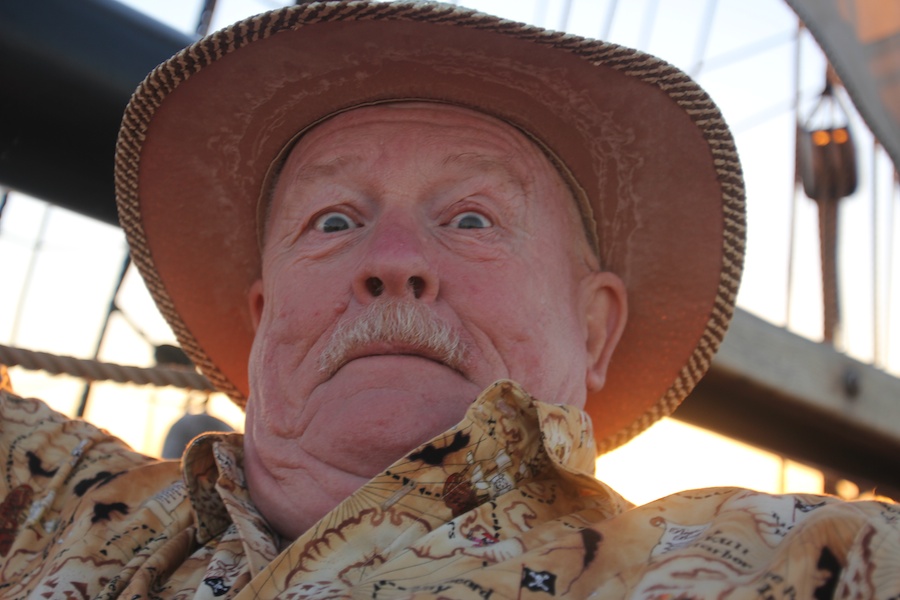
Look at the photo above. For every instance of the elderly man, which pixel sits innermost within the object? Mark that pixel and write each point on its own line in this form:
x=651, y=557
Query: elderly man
x=401, y=236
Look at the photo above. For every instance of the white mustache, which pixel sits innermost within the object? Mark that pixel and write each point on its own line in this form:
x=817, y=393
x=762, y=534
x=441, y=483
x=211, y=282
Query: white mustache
x=401, y=323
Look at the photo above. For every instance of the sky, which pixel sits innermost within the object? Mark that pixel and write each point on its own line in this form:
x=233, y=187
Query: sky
x=60, y=268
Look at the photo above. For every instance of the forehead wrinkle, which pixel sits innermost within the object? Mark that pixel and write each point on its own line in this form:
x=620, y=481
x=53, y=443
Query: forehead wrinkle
x=323, y=170
x=491, y=164
x=287, y=176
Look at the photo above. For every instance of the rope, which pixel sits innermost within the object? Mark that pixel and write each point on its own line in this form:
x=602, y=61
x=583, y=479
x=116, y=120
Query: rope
x=94, y=370
x=828, y=227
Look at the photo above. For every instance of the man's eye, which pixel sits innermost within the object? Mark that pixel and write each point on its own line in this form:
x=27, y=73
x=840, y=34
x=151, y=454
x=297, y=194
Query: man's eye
x=470, y=220
x=334, y=221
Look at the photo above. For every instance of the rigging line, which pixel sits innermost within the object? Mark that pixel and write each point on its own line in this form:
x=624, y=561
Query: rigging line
x=540, y=12
x=29, y=273
x=792, y=215
x=134, y=326
x=564, y=17
x=705, y=33
x=792, y=218
x=607, y=24
x=205, y=18
x=829, y=231
x=126, y=262
x=764, y=115
x=649, y=20
x=748, y=51
x=876, y=263
x=889, y=284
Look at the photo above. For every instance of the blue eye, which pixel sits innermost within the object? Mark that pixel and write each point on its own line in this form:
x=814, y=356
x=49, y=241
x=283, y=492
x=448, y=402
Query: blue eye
x=334, y=221
x=470, y=220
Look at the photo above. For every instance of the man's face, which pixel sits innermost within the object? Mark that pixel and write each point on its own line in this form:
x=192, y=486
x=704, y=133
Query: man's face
x=461, y=222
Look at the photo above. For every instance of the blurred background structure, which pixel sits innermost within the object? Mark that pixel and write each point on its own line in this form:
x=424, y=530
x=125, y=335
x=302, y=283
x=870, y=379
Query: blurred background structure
x=804, y=395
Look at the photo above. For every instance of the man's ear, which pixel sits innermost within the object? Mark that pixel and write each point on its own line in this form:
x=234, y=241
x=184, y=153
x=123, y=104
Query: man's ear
x=606, y=310
x=256, y=301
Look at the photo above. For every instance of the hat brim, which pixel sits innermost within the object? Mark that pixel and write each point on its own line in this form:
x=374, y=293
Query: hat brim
x=644, y=143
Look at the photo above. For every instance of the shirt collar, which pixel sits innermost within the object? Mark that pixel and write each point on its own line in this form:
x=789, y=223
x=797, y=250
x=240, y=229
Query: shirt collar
x=518, y=438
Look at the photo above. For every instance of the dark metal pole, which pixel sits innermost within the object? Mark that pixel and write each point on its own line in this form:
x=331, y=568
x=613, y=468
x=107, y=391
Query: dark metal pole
x=113, y=307
x=3, y=200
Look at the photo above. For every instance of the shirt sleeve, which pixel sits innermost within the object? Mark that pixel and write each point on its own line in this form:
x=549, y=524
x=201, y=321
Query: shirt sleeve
x=65, y=486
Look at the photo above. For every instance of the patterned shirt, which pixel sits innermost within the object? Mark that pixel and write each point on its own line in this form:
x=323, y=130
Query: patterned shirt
x=501, y=506
x=5, y=383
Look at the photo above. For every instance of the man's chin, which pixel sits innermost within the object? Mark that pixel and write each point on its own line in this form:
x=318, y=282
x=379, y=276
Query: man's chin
x=375, y=410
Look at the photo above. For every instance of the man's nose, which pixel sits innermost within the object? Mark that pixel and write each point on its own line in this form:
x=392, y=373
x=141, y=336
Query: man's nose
x=396, y=266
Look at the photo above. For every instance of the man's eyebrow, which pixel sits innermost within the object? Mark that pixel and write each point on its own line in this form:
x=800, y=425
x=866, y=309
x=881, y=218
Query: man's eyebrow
x=480, y=161
x=307, y=174
x=490, y=164
x=323, y=170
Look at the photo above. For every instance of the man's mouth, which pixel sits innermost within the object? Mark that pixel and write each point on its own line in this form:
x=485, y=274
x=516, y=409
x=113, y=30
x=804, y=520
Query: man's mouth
x=383, y=349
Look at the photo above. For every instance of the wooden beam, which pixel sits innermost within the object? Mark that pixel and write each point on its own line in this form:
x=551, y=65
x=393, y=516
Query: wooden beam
x=804, y=400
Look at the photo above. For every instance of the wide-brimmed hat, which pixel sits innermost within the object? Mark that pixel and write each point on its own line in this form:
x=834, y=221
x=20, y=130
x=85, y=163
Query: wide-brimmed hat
x=635, y=136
